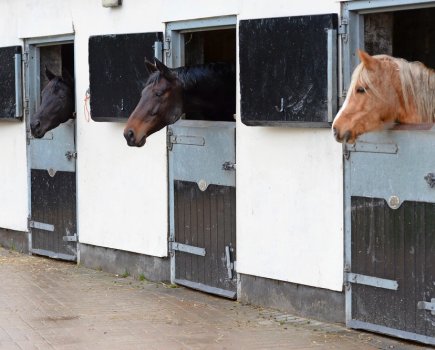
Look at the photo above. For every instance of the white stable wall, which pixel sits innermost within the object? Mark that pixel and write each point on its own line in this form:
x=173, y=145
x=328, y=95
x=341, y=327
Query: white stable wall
x=122, y=191
x=13, y=166
x=289, y=180
x=289, y=188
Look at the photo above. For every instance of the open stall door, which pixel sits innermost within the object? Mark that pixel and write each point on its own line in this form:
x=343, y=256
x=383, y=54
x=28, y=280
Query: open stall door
x=53, y=220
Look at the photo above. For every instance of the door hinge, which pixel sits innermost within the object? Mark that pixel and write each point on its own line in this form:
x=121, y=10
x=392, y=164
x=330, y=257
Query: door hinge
x=342, y=29
x=158, y=50
x=426, y=305
x=25, y=57
x=169, y=140
x=26, y=106
x=167, y=46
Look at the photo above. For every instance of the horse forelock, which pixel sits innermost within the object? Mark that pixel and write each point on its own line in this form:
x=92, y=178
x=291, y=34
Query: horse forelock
x=361, y=76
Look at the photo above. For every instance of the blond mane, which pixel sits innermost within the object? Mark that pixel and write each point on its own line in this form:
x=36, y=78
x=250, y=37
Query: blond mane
x=418, y=85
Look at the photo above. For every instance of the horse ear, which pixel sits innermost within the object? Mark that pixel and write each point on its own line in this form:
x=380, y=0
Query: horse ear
x=49, y=74
x=67, y=78
x=368, y=61
x=167, y=73
x=151, y=68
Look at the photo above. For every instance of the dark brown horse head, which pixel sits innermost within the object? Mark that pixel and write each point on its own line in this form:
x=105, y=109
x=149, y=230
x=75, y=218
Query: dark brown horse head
x=57, y=104
x=160, y=104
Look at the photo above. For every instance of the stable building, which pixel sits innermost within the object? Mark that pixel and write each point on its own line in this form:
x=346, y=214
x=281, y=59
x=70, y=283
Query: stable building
x=268, y=209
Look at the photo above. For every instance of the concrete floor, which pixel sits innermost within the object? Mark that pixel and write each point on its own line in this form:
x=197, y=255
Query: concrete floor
x=47, y=304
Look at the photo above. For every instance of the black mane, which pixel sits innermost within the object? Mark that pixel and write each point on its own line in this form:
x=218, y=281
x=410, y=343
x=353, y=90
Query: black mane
x=209, y=90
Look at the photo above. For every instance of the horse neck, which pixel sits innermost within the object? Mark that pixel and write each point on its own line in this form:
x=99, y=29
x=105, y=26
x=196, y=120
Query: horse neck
x=204, y=86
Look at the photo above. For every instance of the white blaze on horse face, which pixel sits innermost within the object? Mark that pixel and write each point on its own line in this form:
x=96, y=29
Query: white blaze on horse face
x=340, y=112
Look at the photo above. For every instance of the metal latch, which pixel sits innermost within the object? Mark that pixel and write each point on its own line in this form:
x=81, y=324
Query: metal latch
x=425, y=305
x=229, y=166
x=230, y=265
x=72, y=238
x=430, y=179
x=70, y=155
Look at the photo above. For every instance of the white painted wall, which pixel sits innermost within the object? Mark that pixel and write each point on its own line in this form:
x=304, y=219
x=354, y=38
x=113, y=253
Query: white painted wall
x=289, y=180
x=122, y=191
x=13, y=166
x=289, y=188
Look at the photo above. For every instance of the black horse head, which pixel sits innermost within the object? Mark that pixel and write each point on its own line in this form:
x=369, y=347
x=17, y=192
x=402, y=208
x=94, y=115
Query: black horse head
x=201, y=92
x=57, y=104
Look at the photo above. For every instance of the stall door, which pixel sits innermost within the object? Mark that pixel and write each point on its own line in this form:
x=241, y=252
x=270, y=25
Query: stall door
x=390, y=234
x=203, y=199
x=53, y=223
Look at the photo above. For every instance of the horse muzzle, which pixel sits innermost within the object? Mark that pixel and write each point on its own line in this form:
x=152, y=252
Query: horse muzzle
x=130, y=136
x=346, y=137
x=36, y=130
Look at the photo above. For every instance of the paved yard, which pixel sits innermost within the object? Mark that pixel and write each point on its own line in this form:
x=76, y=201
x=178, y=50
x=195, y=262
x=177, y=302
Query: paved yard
x=46, y=304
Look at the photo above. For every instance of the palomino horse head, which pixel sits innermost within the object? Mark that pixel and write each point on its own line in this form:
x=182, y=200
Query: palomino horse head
x=384, y=90
x=161, y=104
x=57, y=104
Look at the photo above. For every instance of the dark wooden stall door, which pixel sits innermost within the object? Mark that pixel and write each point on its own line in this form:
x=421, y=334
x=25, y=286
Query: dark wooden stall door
x=396, y=245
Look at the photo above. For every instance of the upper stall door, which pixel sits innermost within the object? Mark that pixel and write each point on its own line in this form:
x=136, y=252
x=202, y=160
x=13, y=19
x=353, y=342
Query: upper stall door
x=11, y=104
x=52, y=158
x=288, y=71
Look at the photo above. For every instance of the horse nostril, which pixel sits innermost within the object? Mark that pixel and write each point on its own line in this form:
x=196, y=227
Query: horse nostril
x=347, y=135
x=335, y=132
x=129, y=135
x=36, y=124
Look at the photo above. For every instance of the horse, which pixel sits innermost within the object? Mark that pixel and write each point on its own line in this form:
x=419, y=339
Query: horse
x=197, y=91
x=57, y=104
x=385, y=91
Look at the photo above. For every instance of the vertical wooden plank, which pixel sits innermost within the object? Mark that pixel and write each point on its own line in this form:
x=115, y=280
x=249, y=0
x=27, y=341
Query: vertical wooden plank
x=429, y=266
x=193, y=238
x=409, y=265
x=207, y=237
x=419, y=232
x=392, y=314
x=180, y=260
x=214, y=236
x=399, y=228
x=220, y=251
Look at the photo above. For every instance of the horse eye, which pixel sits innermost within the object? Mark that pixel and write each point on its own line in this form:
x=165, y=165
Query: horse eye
x=158, y=93
x=361, y=90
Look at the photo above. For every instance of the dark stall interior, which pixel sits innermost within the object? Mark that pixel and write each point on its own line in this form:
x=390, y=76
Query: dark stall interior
x=210, y=46
x=58, y=58
x=409, y=34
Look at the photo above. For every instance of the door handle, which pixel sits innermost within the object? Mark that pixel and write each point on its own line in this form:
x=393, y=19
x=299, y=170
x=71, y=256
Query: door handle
x=229, y=166
x=70, y=155
x=430, y=179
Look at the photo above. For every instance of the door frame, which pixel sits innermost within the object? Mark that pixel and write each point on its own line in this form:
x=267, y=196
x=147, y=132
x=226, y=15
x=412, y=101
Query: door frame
x=32, y=97
x=173, y=52
x=352, y=24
